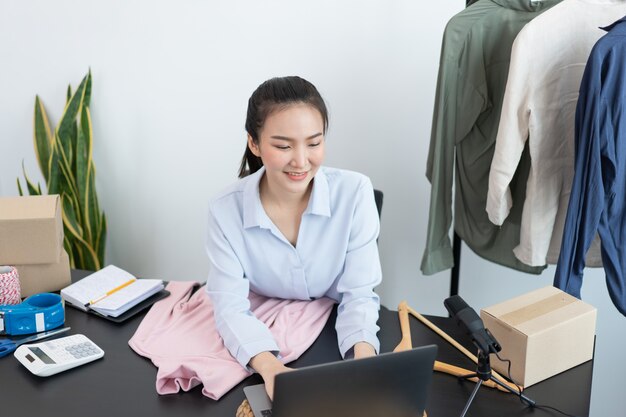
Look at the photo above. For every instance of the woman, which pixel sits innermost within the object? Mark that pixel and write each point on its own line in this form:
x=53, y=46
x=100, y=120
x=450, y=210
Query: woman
x=291, y=228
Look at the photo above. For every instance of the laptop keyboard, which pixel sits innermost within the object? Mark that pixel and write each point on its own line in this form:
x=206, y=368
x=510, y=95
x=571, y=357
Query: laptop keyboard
x=266, y=413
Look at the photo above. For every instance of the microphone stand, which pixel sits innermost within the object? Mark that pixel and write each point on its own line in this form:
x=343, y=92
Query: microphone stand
x=483, y=373
x=486, y=343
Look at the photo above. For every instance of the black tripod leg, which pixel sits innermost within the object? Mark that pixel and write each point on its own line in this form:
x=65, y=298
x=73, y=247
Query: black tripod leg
x=529, y=402
x=471, y=398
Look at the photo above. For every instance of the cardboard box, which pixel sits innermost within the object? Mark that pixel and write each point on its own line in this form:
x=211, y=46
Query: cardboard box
x=31, y=230
x=543, y=333
x=45, y=277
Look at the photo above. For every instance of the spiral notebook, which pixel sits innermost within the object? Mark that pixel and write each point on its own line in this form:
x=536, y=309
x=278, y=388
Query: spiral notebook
x=110, y=292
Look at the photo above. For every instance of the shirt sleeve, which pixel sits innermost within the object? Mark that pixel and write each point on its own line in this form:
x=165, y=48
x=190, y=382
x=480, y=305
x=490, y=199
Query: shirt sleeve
x=594, y=171
x=244, y=335
x=457, y=106
x=357, y=313
x=512, y=132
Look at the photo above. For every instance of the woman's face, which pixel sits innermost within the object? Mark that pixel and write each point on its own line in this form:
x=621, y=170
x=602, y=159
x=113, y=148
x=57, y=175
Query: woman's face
x=291, y=146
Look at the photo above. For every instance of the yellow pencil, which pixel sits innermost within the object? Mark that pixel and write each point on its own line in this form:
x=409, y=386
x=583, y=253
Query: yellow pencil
x=127, y=283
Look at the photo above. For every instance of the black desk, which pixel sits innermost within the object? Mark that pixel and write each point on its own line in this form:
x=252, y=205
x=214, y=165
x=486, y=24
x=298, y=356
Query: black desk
x=123, y=383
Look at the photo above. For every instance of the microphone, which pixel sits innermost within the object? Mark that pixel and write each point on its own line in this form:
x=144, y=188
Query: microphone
x=471, y=322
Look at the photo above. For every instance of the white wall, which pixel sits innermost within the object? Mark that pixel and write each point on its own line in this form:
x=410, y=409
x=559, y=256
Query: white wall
x=171, y=83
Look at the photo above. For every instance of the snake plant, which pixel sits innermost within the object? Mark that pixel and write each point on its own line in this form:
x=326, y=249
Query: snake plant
x=65, y=160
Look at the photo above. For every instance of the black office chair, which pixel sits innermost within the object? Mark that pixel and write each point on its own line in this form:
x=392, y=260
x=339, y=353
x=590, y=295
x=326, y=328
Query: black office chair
x=378, y=196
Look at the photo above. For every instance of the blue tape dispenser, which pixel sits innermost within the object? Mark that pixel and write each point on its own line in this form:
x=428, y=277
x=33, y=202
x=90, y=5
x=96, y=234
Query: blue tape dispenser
x=37, y=313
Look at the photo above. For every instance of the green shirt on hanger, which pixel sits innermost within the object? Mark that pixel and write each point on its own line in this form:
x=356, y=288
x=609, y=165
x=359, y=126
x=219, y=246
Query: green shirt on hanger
x=473, y=69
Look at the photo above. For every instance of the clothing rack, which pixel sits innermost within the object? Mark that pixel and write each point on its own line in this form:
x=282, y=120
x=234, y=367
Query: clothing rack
x=456, y=240
x=454, y=273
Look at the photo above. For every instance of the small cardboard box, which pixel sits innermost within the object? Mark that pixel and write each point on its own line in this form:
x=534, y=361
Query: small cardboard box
x=44, y=277
x=31, y=230
x=543, y=333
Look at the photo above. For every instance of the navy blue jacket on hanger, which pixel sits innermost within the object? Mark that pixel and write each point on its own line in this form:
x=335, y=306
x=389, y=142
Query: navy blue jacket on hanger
x=598, y=198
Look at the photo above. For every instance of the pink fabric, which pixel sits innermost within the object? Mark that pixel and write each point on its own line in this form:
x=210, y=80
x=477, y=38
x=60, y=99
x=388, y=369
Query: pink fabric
x=179, y=335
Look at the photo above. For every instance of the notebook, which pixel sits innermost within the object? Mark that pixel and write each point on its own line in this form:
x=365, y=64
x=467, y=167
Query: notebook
x=110, y=291
x=391, y=385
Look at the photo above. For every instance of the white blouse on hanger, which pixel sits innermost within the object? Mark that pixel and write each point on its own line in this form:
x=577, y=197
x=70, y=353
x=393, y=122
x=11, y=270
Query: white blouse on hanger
x=547, y=63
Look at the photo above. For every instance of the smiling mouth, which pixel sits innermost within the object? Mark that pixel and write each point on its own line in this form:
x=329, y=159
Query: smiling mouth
x=297, y=174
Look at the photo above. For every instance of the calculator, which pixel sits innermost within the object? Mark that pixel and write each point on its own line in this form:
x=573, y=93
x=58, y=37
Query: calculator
x=58, y=355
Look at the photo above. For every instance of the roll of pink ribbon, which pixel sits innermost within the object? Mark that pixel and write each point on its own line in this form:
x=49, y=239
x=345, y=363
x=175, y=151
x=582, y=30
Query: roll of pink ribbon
x=10, y=291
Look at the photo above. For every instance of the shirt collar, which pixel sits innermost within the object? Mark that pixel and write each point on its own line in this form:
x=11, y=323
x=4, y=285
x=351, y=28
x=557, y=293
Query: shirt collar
x=612, y=25
x=319, y=202
x=254, y=214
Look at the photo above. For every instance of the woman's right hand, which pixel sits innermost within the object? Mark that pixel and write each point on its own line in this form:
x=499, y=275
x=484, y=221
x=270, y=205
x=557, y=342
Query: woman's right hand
x=270, y=376
x=266, y=364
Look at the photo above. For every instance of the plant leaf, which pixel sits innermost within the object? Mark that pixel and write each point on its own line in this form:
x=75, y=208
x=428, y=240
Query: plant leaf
x=54, y=182
x=101, y=242
x=68, y=248
x=68, y=96
x=69, y=216
x=73, y=138
x=67, y=122
x=66, y=170
x=19, y=187
x=79, y=215
x=77, y=252
x=42, y=137
x=87, y=98
x=32, y=190
x=83, y=165
x=94, y=219
x=86, y=255
x=74, y=233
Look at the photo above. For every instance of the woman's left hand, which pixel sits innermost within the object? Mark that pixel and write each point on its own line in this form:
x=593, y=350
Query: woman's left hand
x=363, y=350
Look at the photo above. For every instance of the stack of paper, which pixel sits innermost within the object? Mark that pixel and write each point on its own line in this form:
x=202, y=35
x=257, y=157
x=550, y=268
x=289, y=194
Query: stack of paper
x=110, y=291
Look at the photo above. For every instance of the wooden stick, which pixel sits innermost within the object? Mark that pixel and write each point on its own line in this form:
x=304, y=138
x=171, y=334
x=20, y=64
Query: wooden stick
x=403, y=314
x=457, y=345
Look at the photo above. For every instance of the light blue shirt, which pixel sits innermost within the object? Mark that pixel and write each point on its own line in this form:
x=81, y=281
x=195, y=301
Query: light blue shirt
x=336, y=255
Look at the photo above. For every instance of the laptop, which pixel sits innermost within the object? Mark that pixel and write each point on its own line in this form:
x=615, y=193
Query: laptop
x=387, y=385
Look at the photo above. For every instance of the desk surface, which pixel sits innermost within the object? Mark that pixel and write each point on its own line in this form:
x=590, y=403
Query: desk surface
x=123, y=383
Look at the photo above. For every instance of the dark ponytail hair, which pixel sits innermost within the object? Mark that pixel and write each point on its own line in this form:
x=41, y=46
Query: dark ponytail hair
x=276, y=94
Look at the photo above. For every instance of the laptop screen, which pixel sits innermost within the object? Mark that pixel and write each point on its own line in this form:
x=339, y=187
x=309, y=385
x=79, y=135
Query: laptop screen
x=389, y=385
